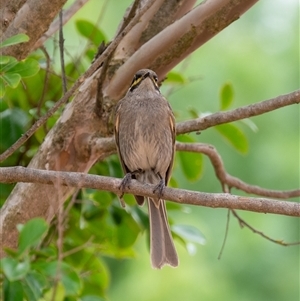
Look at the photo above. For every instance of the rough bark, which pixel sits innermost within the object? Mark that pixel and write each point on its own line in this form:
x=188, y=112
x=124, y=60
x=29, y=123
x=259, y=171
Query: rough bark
x=67, y=15
x=8, y=10
x=33, y=19
x=177, y=41
x=213, y=200
x=70, y=145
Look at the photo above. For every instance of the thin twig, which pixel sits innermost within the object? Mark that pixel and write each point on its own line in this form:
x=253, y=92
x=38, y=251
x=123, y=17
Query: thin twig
x=71, y=203
x=46, y=81
x=54, y=27
x=79, y=248
x=255, y=109
x=97, y=63
x=213, y=120
x=60, y=232
x=226, y=234
x=61, y=52
x=87, y=43
x=131, y=14
x=276, y=241
x=227, y=179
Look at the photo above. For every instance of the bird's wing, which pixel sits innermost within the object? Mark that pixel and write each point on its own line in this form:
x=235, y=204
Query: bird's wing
x=139, y=199
x=173, y=131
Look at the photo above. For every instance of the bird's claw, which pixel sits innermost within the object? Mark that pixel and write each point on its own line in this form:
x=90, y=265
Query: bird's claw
x=159, y=188
x=125, y=183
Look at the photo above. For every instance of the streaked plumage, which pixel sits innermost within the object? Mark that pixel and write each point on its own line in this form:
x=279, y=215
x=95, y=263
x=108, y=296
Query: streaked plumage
x=145, y=138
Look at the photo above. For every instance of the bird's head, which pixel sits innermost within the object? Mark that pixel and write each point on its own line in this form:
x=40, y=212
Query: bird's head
x=145, y=79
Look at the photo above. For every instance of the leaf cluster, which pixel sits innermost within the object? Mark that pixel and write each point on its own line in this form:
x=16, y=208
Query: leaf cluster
x=11, y=70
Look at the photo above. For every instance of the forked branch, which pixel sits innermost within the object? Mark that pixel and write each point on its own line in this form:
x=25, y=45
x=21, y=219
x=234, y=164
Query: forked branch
x=227, y=179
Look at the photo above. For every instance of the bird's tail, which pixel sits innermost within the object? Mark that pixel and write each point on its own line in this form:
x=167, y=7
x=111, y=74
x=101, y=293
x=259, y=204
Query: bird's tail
x=162, y=248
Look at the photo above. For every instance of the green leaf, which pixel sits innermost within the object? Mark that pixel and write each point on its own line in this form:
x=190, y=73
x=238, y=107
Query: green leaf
x=13, y=122
x=174, y=206
x=90, y=31
x=173, y=183
x=2, y=87
x=10, y=64
x=90, y=54
x=13, y=269
x=13, y=291
x=58, y=291
x=31, y=234
x=250, y=124
x=193, y=112
x=34, y=285
x=96, y=275
x=191, y=163
x=140, y=216
x=12, y=79
x=26, y=68
x=68, y=276
x=175, y=78
x=70, y=280
x=226, y=96
x=103, y=198
x=189, y=233
x=234, y=136
x=95, y=203
x=19, y=38
x=127, y=227
x=11, y=71
x=4, y=59
x=91, y=298
x=11, y=252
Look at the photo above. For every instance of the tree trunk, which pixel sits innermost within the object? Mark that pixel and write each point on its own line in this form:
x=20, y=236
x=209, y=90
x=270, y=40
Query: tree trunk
x=74, y=143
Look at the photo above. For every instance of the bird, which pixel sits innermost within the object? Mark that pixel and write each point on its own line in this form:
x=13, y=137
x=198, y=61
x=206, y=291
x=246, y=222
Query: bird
x=145, y=134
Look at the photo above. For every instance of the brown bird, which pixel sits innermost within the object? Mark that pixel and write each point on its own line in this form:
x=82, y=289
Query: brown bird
x=145, y=138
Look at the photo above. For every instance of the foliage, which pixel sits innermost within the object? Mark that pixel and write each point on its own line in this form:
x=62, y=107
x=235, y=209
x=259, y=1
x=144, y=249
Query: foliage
x=39, y=268
x=11, y=70
x=100, y=236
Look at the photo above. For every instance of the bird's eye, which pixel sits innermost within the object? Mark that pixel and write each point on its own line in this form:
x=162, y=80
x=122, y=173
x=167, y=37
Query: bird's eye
x=155, y=78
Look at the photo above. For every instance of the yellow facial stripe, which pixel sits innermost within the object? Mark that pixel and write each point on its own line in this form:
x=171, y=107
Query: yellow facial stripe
x=136, y=82
x=155, y=83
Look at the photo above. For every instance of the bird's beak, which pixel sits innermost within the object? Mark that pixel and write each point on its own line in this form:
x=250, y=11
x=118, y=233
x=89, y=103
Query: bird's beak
x=147, y=75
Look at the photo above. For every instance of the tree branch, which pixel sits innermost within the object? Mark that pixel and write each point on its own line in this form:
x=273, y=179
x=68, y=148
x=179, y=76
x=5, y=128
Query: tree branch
x=8, y=10
x=227, y=179
x=276, y=241
x=177, y=41
x=97, y=63
x=61, y=52
x=255, y=109
x=33, y=19
x=214, y=200
x=68, y=146
x=158, y=17
x=203, y=123
x=67, y=15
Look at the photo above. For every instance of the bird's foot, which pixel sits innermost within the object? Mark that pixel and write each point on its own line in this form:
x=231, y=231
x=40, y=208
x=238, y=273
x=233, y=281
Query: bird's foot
x=159, y=188
x=125, y=183
x=127, y=179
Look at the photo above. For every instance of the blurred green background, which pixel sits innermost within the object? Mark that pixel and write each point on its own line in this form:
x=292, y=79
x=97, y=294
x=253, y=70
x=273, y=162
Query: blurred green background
x=258, y=55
